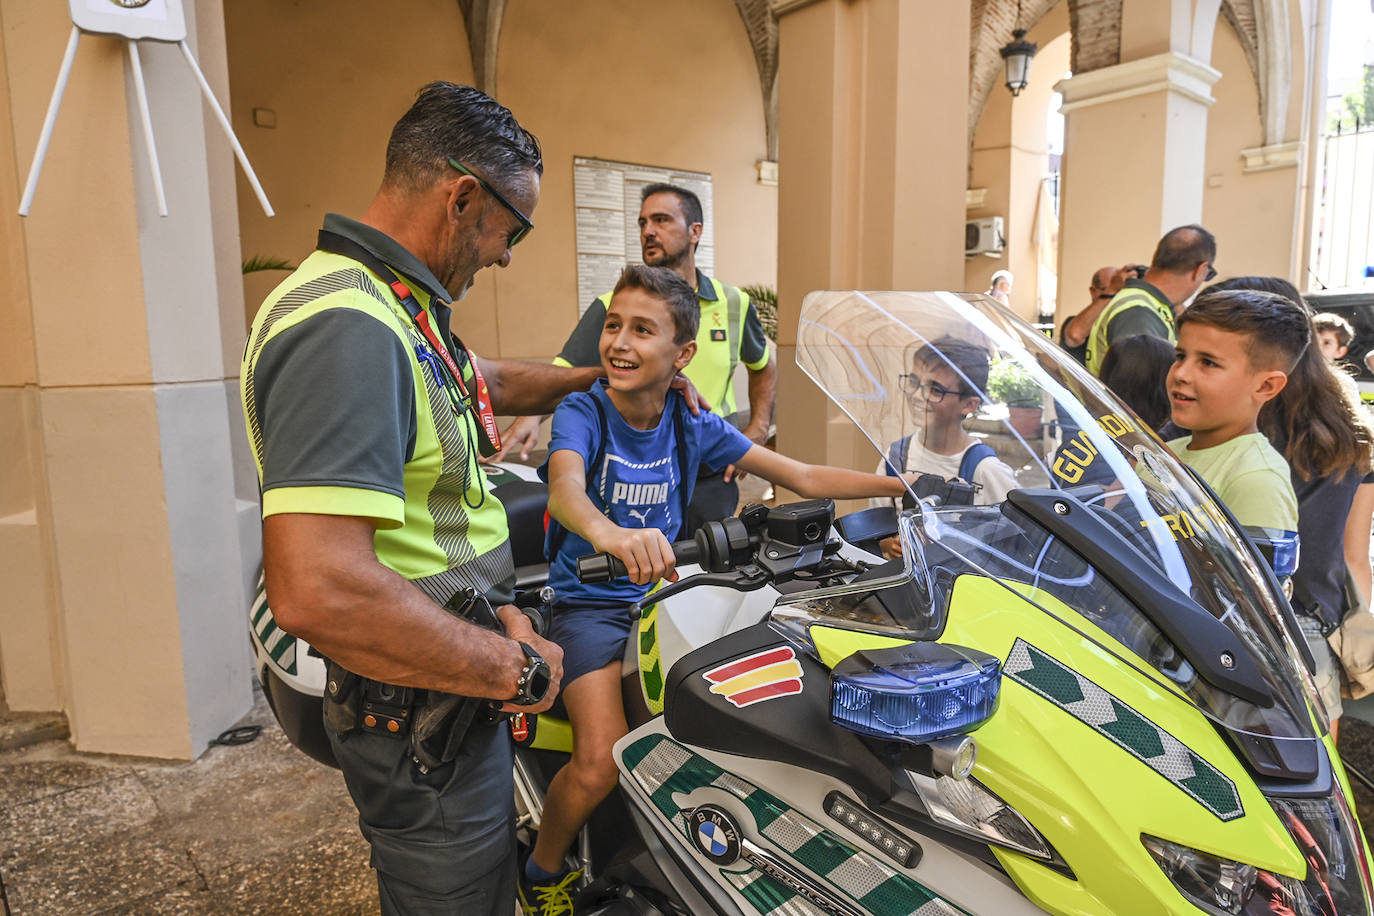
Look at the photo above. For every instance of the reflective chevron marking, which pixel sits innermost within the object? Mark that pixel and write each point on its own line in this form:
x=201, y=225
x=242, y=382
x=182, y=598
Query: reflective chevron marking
x=1124, y=727
x=667, y=771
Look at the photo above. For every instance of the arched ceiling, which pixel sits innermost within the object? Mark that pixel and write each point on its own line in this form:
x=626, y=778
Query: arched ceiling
x=1095, y=33
x=991, y=23
x=1094, y=25
x=762, y=25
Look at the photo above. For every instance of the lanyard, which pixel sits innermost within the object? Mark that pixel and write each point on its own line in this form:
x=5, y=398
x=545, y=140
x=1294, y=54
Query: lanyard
x=436, y=355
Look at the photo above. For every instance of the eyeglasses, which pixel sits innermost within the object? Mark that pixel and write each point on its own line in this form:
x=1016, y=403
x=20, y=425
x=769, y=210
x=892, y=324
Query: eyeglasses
x=933, y=392
x=525, y=224
x=1211, y=273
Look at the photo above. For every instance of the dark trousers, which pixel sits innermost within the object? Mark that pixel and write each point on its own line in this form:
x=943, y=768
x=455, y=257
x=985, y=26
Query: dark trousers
x=443, y=842
x=712, y=500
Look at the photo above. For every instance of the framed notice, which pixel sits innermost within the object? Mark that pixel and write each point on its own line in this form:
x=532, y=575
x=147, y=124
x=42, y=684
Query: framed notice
x=161, y=20
x=606, y=197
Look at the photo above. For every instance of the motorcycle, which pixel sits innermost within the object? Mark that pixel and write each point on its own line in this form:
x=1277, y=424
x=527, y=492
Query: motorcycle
x=1089, y=695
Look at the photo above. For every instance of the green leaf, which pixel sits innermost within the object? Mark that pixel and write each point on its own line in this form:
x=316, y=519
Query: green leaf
x=257, y=262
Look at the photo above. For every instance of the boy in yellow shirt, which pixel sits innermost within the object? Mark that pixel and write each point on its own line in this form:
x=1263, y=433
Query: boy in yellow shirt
x=1235, y=350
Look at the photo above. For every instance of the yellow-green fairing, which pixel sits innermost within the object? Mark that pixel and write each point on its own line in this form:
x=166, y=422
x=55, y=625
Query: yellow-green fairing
x=1089, y=795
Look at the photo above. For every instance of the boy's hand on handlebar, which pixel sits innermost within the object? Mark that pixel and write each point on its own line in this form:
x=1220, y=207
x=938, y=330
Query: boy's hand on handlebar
x=517, y=627
x=646, y=553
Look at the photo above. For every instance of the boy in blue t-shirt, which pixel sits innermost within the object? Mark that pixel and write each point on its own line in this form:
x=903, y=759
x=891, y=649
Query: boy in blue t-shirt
x=617, y=485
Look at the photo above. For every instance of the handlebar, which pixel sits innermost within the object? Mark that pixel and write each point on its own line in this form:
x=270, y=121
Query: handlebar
x=795, y=534
x=603, y=567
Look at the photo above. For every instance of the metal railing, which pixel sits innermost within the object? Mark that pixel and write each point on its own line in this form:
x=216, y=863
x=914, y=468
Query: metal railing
x=1343, y=222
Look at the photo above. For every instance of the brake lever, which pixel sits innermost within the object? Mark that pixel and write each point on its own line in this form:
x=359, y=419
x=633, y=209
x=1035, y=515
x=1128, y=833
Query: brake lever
x=741, y=581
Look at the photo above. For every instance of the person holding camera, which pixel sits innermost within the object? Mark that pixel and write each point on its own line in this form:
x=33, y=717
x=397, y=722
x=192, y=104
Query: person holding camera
x=1106, y=282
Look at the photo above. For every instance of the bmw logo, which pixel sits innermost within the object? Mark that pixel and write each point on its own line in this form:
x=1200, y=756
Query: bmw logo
x=715, y=834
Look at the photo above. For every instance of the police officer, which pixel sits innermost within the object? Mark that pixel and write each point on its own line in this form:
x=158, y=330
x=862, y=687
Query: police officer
x=670, y=226
x=1182, y=262
x=366, y=416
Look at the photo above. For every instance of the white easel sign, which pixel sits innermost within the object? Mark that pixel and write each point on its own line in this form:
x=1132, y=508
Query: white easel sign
x=160, y=20
x=134, y=21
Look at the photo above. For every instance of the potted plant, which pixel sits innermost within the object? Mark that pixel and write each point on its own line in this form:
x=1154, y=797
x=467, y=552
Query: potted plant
x=1011, y=384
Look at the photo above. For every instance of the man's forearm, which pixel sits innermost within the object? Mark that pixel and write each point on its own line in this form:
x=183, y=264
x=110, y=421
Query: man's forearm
x=763, y=389
x=364, y=616
x=1076, y=331
x=520, y=387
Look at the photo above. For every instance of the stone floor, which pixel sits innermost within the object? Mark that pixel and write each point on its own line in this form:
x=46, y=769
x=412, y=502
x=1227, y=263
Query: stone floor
x=254, y=828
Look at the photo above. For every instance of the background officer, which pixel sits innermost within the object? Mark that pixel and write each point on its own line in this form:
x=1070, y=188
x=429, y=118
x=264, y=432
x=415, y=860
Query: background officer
x=670, y=226
x=1183, y=261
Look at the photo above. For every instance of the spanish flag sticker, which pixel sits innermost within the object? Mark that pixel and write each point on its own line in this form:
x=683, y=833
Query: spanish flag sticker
x=764, y=675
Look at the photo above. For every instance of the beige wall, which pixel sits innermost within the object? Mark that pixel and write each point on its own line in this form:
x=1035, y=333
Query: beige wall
x=889, y=160
x=661, y=84
x=123, y=604
x=1010, y=156
x=1251, y=214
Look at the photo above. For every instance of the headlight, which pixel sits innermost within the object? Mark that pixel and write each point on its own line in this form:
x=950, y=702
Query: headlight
x=1336, y=881
x=966, y=806
x=1213, y=884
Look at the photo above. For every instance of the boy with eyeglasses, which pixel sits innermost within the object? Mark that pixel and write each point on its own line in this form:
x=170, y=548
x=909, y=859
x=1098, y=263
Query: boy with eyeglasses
x=943, y=389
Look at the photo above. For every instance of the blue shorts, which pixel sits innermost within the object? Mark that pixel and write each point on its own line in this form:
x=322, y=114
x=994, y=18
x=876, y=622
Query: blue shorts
x=591, y=638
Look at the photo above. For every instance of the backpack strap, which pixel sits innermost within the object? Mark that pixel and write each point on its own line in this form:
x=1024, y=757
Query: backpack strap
x=974, y=455
x=896, y=457
x=557, y=534
x=680, y=443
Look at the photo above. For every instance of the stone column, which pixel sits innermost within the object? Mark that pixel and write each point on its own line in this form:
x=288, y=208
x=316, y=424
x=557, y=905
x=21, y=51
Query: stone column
x=125, y=600
x=873, y=147
x=1152, y=114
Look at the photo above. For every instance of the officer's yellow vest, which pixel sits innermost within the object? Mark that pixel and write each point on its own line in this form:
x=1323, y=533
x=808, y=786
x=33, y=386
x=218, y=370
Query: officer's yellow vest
x=719, y=340
x=1129, y=298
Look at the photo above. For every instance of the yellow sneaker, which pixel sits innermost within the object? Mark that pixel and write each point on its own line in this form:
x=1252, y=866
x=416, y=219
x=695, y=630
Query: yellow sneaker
x=551, y=899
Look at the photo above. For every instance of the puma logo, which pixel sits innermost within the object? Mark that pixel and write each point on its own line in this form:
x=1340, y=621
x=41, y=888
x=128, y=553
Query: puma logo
x=642, y=515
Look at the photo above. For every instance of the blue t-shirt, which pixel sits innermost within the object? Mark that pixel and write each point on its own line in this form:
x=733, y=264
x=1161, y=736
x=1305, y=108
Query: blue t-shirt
x=639, y=481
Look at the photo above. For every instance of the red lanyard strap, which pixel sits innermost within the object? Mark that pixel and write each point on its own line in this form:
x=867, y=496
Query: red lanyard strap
x=337, y=244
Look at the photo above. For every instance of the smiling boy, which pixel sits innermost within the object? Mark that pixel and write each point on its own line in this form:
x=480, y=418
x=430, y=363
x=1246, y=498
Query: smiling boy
x=1235, y=350
x=623, y=460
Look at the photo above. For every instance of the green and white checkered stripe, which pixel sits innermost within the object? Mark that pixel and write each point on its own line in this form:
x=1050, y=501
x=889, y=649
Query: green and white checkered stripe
x=665, y=768
x=769, y=896
x=1124, y=727
x=279, y=644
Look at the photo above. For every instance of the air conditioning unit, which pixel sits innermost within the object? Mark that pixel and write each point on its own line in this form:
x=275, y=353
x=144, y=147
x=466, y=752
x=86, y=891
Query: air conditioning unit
x=984, y=236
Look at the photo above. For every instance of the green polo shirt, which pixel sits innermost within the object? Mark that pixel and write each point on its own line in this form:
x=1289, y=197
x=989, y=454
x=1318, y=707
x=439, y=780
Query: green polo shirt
x=730, y=333
x=345, y=419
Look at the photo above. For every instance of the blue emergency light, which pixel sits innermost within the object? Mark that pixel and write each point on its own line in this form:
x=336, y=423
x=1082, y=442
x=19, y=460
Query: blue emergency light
x=919, y=692
x=1279, y=547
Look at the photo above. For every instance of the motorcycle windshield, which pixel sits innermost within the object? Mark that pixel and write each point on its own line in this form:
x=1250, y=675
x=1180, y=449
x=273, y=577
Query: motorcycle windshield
x=925, y=376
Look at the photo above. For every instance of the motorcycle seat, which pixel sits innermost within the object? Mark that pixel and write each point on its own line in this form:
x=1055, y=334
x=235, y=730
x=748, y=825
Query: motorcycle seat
x=525, y=502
